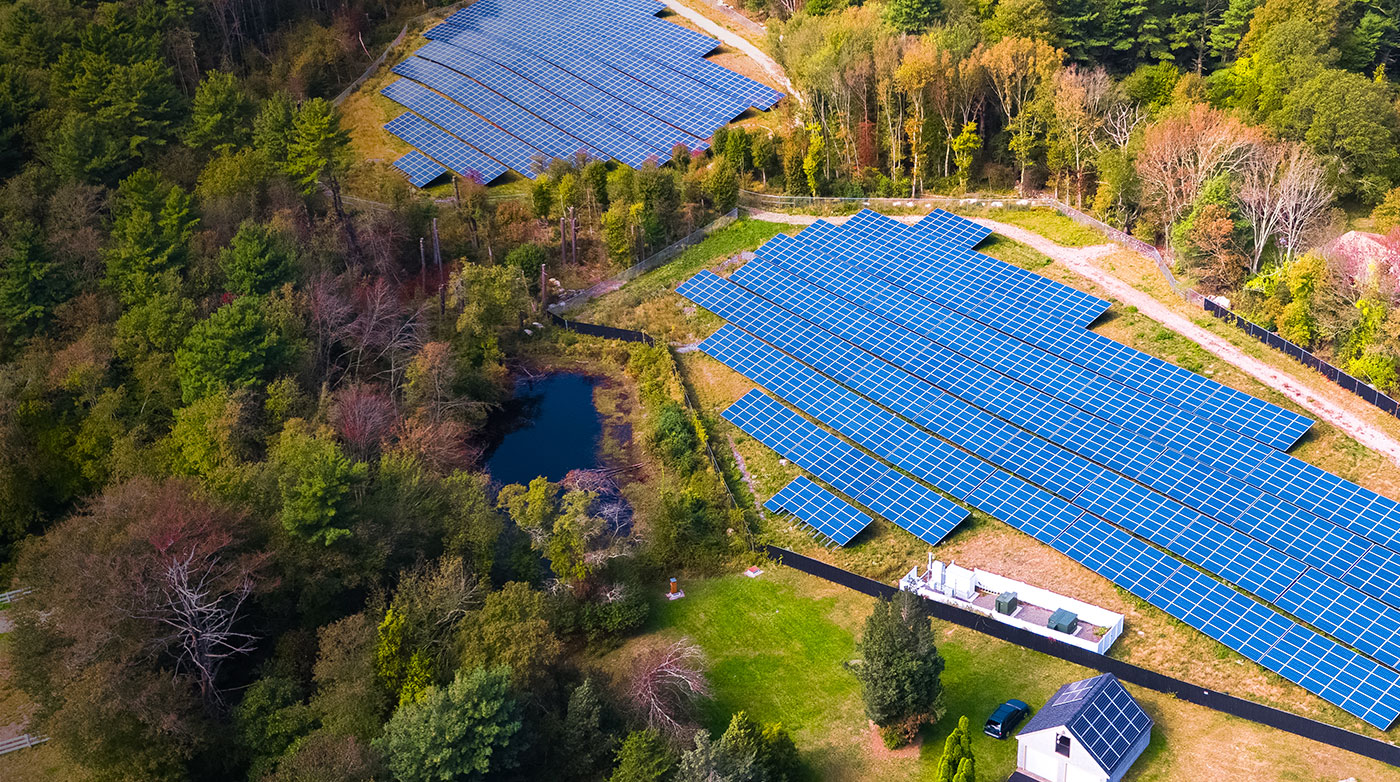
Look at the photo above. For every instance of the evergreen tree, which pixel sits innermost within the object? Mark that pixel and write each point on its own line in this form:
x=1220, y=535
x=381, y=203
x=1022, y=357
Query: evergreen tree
x=900, y=674
x=711, y=761
x=643, y=757
x=913, y=16
x=30, y=285
x=272, y=129
x=465, y=732
x=722, y=185
x=220, y=114
x=256, y=261
x=152, y=222
x=232, y=348
x=584, y=745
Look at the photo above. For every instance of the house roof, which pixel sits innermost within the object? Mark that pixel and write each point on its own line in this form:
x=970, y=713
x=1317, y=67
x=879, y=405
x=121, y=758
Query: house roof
x=1099, y=713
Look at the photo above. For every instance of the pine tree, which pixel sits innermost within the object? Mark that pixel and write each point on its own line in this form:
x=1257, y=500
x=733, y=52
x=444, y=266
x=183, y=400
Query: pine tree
x=900, y=675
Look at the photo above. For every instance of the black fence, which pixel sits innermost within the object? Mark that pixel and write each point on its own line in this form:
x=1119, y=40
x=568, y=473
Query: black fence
x=1355, y=385
x=607, y=332
x=1142, y=677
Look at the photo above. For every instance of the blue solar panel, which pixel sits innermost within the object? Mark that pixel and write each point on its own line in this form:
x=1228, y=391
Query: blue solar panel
x=659, y=137
x=828, y=514
x=1358, y=685
x=513, y=119
x=592, y=129
x=924, y=514
x=952, y=230
x=463, y=124
x=419, y=168
x=1308, y=566
x=557, y=45
x=445, y=148
x=965, y=281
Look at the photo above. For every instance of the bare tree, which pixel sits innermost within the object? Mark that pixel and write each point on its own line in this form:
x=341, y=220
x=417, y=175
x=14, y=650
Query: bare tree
x=1180, y=153
x=200, y=597
x=383, y=334
x=363, y=417
x=1304, y=196
x=1259, y=196
x=668, y=684
x=1121, y=119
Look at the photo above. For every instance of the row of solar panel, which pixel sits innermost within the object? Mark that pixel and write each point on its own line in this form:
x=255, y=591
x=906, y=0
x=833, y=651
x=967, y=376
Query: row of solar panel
x=1122, y=448
x=1361, y=510
x=964, y=287
x=607, y=79
x=1365, y=623
x=642, y=82
x=895, y=497
x=1353, y=682
x=829, y=515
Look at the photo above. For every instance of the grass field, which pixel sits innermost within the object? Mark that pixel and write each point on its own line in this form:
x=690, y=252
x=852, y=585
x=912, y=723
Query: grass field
x=1050, y=224
x=778, y=647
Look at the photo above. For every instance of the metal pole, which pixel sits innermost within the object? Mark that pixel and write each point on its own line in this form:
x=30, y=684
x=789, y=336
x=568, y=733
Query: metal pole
x=544, y=290
x=422, y=267
x=442, y=284
x=563, y=242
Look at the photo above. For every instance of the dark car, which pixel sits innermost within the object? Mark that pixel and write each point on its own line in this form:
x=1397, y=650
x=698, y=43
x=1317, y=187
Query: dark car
x=1005, y=719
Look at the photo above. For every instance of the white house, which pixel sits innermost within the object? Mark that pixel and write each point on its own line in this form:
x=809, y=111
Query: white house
x=1089, y=731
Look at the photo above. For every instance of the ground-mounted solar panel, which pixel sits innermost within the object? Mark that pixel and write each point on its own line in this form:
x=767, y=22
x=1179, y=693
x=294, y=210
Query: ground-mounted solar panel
x=457, y=120
x=1359, y=685
x=828, y=359
x=958, y=288
x=828, y=514
x=510, y=117
x=420, y=169
x=889, y=494
x=643, y=22
x=658, y=136
x=956, y=231
x=1258, y=582
x=1026, y=363
x=563, y=52
x=445, y=148
x=593, y=130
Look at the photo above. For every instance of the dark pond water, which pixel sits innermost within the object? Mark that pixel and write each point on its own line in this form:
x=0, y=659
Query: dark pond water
x=550, y=427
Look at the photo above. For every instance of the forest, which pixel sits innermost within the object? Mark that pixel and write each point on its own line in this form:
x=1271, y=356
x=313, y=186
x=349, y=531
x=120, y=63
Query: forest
x=243, y=407
x=242, y=416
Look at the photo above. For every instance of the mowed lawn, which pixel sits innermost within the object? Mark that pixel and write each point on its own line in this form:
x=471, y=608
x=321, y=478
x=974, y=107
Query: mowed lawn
x=778, y=647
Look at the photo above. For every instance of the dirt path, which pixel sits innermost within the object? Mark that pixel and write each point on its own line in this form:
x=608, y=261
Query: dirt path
x=730, y=38
x=1080, y=260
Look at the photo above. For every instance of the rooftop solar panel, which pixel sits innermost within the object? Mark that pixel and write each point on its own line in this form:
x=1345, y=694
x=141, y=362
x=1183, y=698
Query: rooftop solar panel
x=824, y=511
x=419, y=168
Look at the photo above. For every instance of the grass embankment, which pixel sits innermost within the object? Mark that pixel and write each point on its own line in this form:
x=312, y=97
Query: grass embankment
x=646, y=304
x=778, y=647
x=1050, y=224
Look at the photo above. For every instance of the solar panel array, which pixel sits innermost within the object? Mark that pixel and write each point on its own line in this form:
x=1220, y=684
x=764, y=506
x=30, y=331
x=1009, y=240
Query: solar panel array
x=509, y=84
x=828, y=514
x=915, y=351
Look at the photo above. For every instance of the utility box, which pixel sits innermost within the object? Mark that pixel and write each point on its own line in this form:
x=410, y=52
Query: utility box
x=1006, y=603
x=1063, y=621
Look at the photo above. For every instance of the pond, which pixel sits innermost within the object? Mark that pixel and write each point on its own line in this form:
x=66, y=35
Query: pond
x=549, y=428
